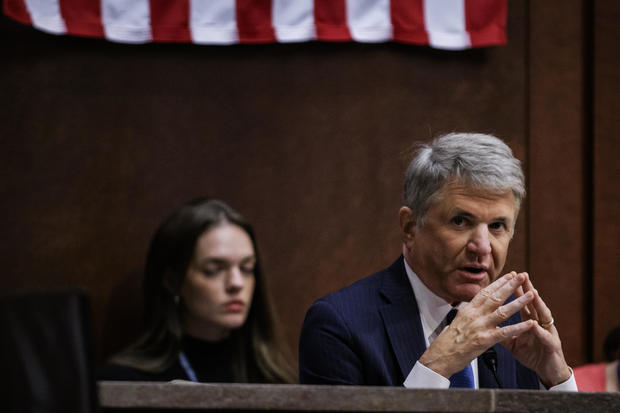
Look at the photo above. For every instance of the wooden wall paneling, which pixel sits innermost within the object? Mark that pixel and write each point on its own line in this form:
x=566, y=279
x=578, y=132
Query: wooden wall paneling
x=556, y=167
x=606, y=253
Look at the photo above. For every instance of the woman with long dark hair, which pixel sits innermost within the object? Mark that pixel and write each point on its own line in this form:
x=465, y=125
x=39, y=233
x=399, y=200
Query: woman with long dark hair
x=207, y=316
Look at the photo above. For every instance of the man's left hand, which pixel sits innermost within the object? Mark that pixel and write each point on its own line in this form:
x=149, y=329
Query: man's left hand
x=539, y=348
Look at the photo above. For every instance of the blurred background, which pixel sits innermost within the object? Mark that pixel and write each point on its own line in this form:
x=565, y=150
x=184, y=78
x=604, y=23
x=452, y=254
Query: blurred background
x=100, y=141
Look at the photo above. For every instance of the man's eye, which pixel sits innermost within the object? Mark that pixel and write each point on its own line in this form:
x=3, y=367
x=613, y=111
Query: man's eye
x=459, y=221
x=497, y=226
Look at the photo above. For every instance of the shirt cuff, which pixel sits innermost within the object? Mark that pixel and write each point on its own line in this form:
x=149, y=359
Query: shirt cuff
x=568, y=385
x=421, y=377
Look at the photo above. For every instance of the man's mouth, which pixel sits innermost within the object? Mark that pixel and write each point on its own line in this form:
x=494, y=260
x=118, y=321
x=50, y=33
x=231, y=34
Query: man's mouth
x=475, y=270
x=474, y=273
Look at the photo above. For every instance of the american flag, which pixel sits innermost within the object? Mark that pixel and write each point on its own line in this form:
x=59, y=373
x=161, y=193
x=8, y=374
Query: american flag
x=443, y=24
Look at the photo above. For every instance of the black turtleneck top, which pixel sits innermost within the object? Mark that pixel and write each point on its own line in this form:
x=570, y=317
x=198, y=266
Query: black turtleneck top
x=210, y=361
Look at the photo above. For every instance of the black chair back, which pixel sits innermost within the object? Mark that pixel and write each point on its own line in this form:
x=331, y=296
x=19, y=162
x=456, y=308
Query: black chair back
x=45, y=348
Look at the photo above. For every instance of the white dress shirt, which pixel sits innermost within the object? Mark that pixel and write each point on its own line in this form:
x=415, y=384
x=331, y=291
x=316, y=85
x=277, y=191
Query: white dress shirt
x=433, y=310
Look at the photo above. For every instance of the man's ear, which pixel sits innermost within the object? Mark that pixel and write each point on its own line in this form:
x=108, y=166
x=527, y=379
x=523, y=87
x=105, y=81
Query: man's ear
x=407, y=225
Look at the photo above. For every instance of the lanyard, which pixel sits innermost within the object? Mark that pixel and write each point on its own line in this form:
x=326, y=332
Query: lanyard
x=187, y=367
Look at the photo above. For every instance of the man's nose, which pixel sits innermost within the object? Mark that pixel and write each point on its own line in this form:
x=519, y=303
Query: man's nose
x=479, y=243
x=235, y=280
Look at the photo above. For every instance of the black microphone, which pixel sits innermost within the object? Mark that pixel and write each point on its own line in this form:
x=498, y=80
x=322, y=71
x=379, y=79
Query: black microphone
x=490, y=359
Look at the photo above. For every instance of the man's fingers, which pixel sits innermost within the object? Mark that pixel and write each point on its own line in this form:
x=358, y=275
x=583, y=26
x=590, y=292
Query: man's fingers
x=500, y=282
x=493, y=297
x=528, y=286
x=514, y=330
x=525, y=312
x=543, y=312
x=505, y=311
x=537, y=307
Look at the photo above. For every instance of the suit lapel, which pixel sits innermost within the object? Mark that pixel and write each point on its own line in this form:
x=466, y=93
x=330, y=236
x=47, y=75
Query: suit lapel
x=401, y=317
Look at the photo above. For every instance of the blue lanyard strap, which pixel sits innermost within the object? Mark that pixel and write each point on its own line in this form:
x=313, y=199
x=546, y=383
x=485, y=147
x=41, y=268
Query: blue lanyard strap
x=187, y=367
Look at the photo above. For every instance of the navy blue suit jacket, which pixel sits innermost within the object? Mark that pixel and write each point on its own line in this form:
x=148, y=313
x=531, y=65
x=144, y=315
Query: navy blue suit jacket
x=370, y=333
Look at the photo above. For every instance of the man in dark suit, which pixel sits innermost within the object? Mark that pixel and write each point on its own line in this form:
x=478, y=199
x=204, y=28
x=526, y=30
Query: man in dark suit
x=442, y=316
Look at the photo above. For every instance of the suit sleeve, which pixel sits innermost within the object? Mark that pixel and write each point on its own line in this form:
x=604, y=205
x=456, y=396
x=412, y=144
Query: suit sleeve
x=326, y=353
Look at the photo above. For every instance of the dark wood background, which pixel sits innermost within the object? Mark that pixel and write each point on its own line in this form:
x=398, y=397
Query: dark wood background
x=100, y=141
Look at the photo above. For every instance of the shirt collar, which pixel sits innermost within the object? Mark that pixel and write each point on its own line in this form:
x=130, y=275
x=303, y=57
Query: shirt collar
x=433, y=309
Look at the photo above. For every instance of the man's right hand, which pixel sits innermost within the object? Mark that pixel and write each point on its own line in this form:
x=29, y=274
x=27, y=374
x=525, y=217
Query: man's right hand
x=475, y=327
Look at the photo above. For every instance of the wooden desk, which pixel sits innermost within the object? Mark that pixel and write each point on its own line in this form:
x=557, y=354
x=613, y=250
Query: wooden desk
x=185, y=397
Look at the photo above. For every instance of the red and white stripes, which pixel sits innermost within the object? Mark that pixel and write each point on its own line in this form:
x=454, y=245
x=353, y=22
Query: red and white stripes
x=443, y=24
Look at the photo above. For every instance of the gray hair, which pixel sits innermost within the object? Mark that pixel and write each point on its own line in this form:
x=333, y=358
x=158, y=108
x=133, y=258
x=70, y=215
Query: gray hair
x=476, y=159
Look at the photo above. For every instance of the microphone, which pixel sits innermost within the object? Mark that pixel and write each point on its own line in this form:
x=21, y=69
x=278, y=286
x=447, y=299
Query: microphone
x=490, y=359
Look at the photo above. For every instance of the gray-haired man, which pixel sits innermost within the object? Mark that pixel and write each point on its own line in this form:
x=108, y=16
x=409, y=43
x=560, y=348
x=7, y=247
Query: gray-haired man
x=400, y=326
